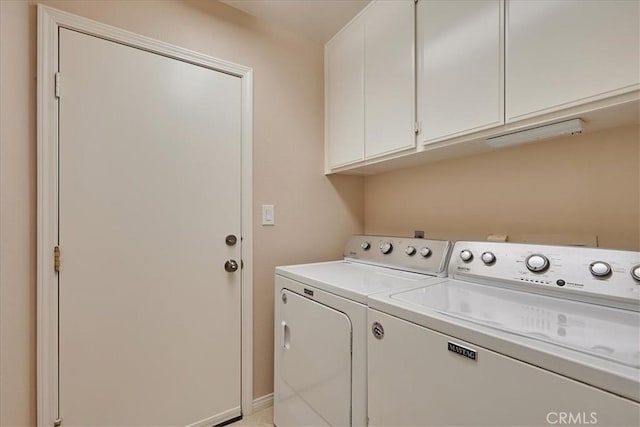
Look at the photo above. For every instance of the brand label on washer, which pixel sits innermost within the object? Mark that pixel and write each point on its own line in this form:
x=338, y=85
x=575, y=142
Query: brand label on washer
x=462, y=351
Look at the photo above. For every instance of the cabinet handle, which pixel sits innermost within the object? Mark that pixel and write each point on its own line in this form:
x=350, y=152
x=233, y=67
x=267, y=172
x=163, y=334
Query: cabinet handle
x=286, y=336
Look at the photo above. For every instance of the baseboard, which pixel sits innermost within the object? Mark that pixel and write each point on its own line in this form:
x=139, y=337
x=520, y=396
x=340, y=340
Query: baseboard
x=217, y=419
x=263, y=402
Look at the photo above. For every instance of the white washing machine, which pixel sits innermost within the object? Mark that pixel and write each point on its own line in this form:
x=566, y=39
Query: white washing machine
x=516, y=335
x=321, y=325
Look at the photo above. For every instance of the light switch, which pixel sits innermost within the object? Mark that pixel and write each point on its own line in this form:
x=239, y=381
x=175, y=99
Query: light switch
x=268, y=215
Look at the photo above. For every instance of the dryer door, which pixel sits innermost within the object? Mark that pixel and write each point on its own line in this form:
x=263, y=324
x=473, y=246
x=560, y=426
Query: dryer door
x=315, y=349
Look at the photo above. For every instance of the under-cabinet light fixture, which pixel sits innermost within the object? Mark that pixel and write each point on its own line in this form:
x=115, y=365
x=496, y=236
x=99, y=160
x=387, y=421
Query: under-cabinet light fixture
x=569, y=127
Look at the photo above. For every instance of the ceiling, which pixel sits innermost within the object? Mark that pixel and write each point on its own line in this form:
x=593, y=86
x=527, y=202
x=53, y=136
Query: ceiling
x=319, y=20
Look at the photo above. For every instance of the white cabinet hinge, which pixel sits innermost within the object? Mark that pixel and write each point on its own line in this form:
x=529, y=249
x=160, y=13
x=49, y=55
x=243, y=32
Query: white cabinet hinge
x=57, y=422
x=417, y=128
x=56, y=258
x=57, y=85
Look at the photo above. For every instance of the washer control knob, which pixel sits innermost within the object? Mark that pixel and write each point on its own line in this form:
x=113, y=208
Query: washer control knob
x=466, y=255
x=635, y=272
x=537, y=263
x=386, y=248
x=365, y=245
x=425, y=252
x=411, y=251
x=488, y=258
x=600, y=269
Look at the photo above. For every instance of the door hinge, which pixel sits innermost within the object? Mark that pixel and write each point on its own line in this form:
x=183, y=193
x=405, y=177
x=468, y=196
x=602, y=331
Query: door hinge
x=417, y=127
x=56, y=258
x=57, y=422
x=57, y=85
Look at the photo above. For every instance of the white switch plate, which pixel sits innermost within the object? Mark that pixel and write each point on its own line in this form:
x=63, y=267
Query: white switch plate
x=268, y=215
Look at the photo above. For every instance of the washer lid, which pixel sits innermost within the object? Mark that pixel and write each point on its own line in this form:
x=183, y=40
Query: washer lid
x=604, y=332
x=353, y=280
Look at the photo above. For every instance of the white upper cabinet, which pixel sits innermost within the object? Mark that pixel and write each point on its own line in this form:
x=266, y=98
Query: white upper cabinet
x=563, y=53
x=389, y=77
x=369, y=86
x=468, y=70
x=460, y=67
x=344, y=96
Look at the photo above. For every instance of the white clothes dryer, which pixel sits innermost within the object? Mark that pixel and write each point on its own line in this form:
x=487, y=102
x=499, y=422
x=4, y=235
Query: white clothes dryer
x=321, y=325
x=516, y=335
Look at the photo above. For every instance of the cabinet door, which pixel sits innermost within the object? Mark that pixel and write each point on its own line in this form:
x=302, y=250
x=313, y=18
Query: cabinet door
x=345, y=96
x=562, y=53
x=460, y=67
x=389, y=77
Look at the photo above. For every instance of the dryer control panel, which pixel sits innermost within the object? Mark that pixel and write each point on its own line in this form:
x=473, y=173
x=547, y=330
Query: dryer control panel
x=404, y=253
x=601, y=276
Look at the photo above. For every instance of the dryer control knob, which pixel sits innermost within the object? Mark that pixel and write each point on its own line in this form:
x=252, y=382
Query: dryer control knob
x=366, y=246
x=425, y=252
x=600, y=269
x=537, y=263
x=411, y=251
x=635, y=272
x=386, y=248
x=488, y=258
x=466, y=255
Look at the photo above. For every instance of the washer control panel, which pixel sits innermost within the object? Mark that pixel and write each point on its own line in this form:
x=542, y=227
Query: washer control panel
x=405, y=253
x=606, y=276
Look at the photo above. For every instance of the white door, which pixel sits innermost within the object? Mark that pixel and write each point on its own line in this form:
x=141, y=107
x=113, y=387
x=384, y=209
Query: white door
x=565, y=53
x=149, y=187
x=314, y=353
x=345, y=96
x=389, y=76
x=460, y=63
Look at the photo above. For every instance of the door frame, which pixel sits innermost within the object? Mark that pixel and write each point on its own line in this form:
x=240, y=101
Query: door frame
x=50, y=20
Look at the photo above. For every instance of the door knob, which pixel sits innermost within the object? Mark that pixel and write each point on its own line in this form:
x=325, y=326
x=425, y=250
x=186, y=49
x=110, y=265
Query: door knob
x=231, y=265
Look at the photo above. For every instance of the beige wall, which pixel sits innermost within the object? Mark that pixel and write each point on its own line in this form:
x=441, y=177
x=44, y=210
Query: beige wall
x=288, y=163
x=561, y=190
x=589, y=185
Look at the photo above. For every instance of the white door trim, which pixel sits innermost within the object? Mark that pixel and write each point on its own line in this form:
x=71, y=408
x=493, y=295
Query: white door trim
x=49, y=21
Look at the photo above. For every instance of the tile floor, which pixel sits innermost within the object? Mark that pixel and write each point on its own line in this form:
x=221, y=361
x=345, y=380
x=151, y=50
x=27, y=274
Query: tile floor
x=263, y=418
